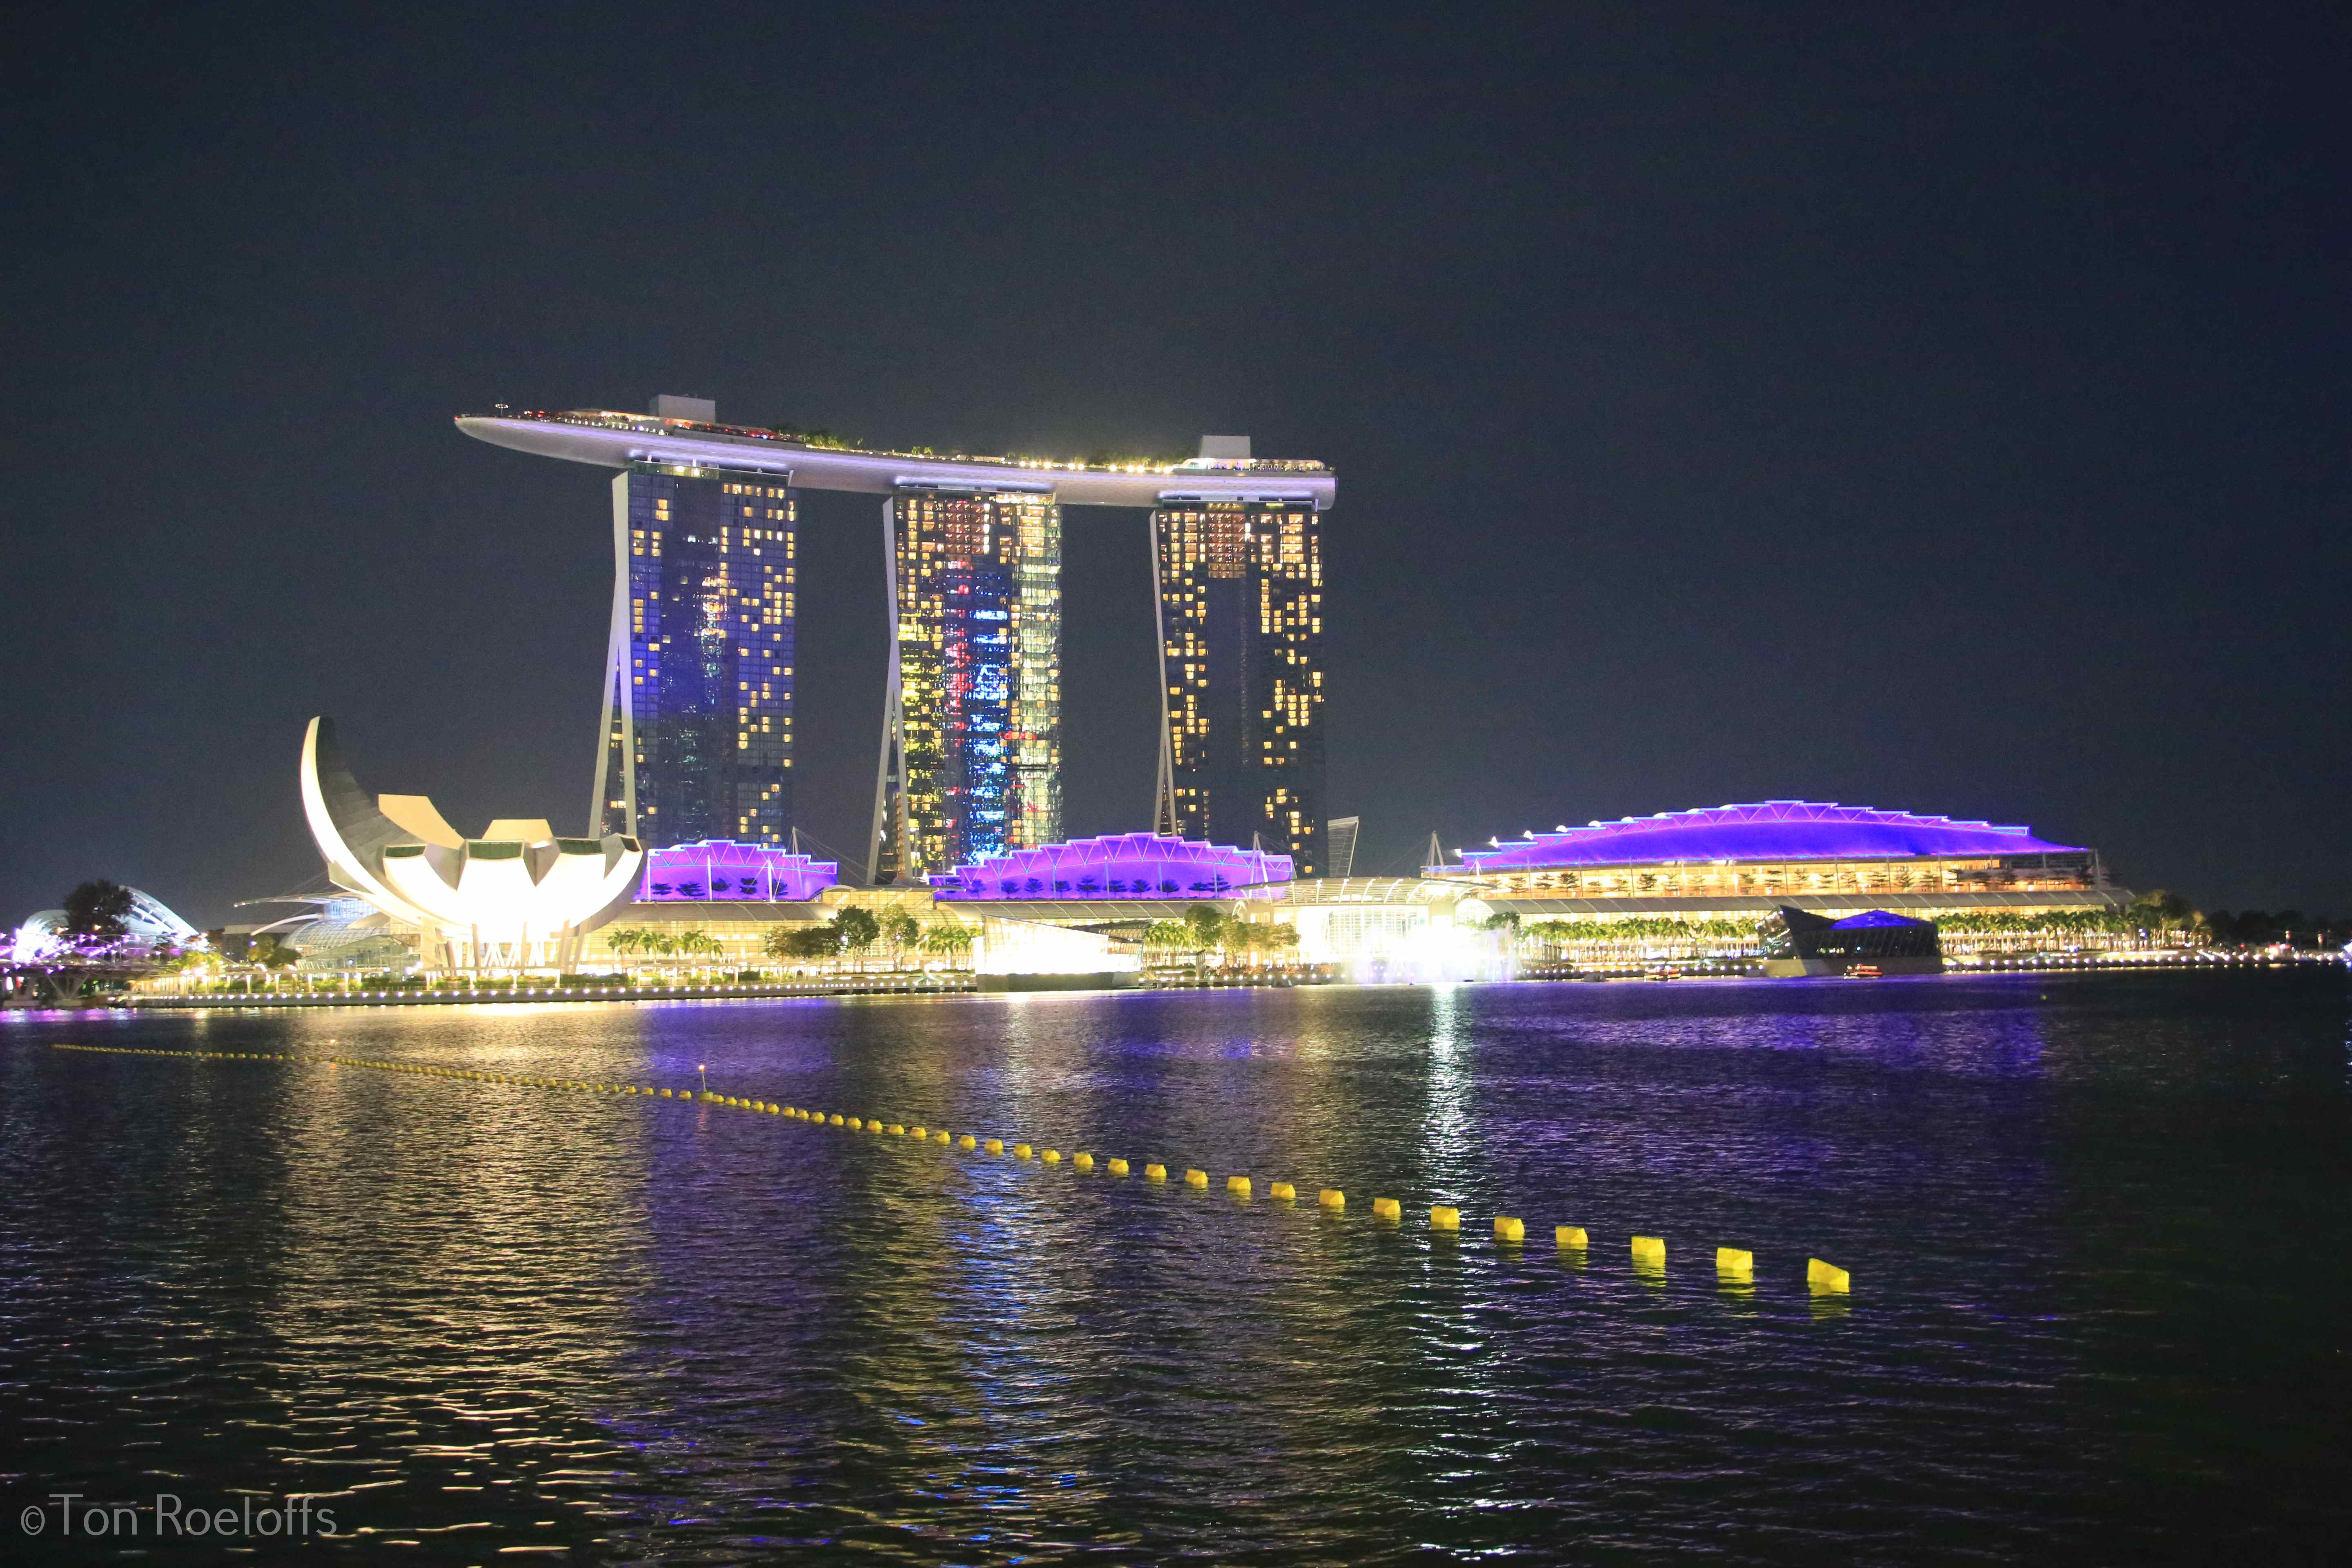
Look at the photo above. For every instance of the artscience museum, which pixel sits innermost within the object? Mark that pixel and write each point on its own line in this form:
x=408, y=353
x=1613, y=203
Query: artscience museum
x=517, y=897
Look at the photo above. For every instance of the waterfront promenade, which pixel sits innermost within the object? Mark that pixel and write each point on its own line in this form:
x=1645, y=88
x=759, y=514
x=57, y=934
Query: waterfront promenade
x=956, y=982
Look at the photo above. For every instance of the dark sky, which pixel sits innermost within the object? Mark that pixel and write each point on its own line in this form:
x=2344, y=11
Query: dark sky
x=1915, y=407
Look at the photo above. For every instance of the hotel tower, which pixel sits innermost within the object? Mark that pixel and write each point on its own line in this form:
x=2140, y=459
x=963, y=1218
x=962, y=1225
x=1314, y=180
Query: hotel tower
x=698, y=701
x=1240, y=591
x=972, y=724
x=696, y=725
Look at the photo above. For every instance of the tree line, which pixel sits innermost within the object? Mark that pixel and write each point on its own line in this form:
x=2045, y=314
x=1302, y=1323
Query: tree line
x=853, y=933
x=1207, y=930
x=2158, y=914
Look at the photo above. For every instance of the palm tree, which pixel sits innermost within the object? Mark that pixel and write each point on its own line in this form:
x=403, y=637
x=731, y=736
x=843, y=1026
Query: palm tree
x=698, y=944
x=634, y=942
x=1168, y=937
x=950, y=939
x=656, y=944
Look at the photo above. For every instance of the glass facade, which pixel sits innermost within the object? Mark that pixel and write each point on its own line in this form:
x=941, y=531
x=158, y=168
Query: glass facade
x=977, y=587
x=1241, y=663
x=698, y=702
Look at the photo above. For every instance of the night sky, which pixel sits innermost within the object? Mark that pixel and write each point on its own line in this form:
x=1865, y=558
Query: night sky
x=1921, y=410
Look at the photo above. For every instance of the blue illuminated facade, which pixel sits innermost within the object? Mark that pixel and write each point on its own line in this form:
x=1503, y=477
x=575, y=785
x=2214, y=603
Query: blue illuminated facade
x=971, y=765
x=697, y=713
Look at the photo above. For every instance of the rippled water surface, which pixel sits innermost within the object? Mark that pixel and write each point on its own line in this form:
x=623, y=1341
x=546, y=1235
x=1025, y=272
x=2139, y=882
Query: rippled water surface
x=2098, y=1226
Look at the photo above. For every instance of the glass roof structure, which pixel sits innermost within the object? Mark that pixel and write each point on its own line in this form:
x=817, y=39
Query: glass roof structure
x=150, y=923
x=722, y=868
x=1771, y=830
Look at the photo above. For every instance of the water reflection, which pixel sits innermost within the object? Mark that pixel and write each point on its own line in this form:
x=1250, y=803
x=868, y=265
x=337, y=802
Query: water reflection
x=684, y=1331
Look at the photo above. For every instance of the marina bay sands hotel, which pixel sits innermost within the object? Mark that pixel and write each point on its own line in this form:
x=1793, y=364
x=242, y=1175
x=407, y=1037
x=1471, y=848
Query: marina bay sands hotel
x=699, y=669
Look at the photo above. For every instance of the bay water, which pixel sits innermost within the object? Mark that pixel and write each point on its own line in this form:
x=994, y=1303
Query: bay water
x=2098, y=1226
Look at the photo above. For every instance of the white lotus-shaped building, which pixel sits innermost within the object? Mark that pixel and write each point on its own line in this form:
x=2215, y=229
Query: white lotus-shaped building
x=516, y=897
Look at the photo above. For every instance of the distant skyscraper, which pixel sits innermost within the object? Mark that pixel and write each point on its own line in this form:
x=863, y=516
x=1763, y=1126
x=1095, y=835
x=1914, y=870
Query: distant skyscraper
x=971, y=745
x=698, y=709
x=1241, y=664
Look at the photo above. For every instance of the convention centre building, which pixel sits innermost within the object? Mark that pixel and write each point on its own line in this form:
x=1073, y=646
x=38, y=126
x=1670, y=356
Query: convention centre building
x=1734, y=866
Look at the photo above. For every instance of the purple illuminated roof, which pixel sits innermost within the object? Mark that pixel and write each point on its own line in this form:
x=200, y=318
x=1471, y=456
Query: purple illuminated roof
x=1767, y=830
x=720, y=868
x=1120, y=866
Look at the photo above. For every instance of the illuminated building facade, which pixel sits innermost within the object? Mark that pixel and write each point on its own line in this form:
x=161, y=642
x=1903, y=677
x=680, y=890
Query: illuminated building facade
x=1120, y=866
x=697, y=704
x=517, y=897
x=1240, y=588
x=1777, y=850
x=719, y=870
x=972, y=746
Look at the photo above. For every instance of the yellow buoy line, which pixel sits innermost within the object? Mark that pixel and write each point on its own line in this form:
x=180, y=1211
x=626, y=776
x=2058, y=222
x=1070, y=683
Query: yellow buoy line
x=1734, y=1267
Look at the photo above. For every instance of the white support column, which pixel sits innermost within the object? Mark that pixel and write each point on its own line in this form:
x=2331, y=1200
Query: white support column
x=616, y=681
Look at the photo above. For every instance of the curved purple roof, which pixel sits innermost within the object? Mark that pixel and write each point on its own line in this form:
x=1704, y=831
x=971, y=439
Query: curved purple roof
x=1120, y=866
x=714, y=868
x=1766, y=830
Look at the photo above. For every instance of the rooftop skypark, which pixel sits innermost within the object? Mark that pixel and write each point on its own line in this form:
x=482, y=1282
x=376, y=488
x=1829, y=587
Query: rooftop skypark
x=651, y=423
x=818, y=460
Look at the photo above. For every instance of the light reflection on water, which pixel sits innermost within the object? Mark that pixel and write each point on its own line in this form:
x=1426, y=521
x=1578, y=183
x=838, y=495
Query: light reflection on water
x=2088, y=1220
